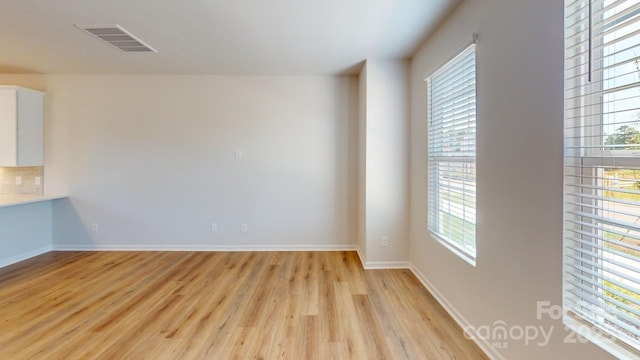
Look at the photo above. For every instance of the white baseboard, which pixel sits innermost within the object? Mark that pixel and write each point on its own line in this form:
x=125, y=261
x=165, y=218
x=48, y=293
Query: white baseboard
x=372, y=265
x=489, y=350
x=107, y=247
x=363, y=260
x=24, y=256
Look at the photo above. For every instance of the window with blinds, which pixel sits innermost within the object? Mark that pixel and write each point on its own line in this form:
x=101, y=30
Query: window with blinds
x=601, y=287
x=452, y=154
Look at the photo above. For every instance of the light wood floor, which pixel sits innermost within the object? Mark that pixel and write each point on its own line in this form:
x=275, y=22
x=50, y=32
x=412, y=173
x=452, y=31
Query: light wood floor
x=208, y=305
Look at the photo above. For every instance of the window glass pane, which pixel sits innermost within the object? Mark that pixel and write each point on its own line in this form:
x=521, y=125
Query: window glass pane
x=452, y=151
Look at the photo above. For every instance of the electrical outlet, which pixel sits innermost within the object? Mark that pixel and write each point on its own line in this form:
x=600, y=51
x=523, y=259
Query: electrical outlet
x=384, y=241
x=238, y=154
x=214, y=227
x=245, y=228
x=38, y=180
x=18, y=180
x=95, y=228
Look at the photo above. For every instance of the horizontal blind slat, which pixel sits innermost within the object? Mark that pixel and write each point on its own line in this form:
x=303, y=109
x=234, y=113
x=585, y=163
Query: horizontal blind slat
x=604, y=314
x=585, y=289
x=605, y=256
x=591, y=245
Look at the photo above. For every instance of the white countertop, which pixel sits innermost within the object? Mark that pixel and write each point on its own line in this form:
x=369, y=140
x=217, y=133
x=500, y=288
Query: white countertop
x=12, y=200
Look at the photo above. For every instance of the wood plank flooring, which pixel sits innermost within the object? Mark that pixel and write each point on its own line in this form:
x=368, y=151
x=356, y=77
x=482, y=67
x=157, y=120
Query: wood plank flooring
x=220, y=305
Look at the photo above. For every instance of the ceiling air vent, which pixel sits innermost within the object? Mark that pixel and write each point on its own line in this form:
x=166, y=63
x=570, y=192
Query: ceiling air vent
x=117, y=36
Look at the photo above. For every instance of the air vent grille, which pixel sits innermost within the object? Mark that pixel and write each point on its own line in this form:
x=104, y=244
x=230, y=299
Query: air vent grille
x=117, y=36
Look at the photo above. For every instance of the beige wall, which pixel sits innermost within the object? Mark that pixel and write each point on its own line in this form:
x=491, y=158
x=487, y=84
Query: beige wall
x=35, y=82
x=384, y=139
x=362, y=162
x=151, y=160
x=519, y=161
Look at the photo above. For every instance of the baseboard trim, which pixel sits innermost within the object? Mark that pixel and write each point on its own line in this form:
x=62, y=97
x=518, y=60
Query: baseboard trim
x=489, y=350
x=378, y=265
x=24, y=256
x=102, y=247
x=362, y=258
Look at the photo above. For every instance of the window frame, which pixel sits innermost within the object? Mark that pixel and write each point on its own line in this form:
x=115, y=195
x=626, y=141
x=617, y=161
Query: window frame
x=463, y=161
x=588, y=260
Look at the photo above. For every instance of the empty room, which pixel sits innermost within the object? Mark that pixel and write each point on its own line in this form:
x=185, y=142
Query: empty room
x=320, y=179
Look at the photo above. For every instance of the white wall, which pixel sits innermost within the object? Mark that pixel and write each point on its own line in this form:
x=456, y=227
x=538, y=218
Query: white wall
x=150, y=159
x=519, y=162
x=362, y=162
x=25, y=231
x=386, y=160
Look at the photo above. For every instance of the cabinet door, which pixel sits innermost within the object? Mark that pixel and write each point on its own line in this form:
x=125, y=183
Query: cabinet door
x=30, y=116
x=8, y=127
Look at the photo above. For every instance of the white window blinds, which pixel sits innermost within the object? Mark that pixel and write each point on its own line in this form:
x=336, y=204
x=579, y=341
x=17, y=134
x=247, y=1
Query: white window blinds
x=452, y=154
x=602, y=172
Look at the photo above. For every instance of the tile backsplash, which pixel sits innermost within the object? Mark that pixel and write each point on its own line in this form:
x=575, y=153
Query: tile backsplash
x=21, y=180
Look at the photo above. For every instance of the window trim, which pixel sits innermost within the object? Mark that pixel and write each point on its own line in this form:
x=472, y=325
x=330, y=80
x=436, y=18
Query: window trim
x=467, y=255
x=586, y=262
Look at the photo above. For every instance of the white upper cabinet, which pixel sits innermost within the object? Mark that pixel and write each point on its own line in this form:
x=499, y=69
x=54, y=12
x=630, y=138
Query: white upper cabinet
x=21, y=126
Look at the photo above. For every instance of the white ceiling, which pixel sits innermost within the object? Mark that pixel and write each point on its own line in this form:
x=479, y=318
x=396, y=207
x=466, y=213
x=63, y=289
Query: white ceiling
x=214, y=36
